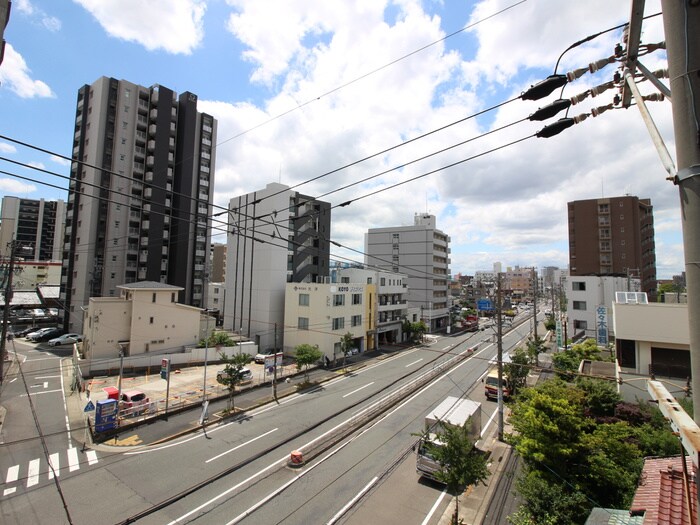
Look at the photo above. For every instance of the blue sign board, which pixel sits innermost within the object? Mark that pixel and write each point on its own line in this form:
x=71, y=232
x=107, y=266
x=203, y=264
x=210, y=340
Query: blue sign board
x=602, y=325
x=89, y=407
x=484, y=304
x=106, y=415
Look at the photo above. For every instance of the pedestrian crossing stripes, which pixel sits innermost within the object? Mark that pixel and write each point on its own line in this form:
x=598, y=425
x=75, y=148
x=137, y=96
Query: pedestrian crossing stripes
x=52, y=469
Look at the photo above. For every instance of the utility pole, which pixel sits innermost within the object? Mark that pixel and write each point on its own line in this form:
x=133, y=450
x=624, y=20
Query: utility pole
x=14, y=247
x=534, y=303
x=499, y=346
x=682, y=29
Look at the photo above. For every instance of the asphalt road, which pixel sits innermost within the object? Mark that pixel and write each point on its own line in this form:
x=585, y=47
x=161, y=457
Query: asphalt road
x=237, y=471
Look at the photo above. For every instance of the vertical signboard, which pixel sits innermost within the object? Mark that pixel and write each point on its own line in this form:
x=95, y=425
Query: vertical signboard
x=164, y=368
x=560, y=339
x=601, y=314
x=105, y=415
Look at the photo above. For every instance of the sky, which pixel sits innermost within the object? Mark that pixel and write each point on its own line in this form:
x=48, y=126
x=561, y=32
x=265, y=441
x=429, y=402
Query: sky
x=401, y=107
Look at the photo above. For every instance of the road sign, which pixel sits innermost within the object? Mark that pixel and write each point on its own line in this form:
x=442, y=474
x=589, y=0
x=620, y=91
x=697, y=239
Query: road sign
x=89, y=407
x=484, y=304
x=164, y=368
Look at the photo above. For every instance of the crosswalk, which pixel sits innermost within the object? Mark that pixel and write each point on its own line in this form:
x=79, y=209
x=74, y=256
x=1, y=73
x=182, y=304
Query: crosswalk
x=52, y=468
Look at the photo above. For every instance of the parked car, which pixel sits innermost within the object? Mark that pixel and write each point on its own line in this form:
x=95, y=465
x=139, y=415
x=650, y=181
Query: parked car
x=66, y=339
x=260, y=357
x=134, y=402
x=48, y=335
x=31, y=336
x=24, y=332
x=246, y=376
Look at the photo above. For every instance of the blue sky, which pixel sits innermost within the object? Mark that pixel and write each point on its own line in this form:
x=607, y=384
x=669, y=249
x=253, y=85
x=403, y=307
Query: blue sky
x=332, y=69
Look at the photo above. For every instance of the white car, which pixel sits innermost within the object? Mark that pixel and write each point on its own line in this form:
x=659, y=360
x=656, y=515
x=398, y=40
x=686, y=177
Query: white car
x=66, y=339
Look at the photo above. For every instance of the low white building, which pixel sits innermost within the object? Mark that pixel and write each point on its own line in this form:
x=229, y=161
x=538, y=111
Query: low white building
x=589, y=304
x=390, y=304
x=651, y=338
x=321, y=314
x=144, y=319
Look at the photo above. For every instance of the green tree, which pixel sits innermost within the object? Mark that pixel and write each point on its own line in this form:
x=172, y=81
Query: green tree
x=232, y=373
x=601, y=396
x=534, y=348
x=517, y=370
x=415, y=330
x=217, y=339
x=346, y=346
x=306, y=355
x=462, y=464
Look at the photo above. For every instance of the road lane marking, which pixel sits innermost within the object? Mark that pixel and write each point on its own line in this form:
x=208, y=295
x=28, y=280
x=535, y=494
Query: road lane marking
x=350, y=503
x=65, y=404
x=12, y=475
x=414, y=362
x=44, y=392
x=33, y=474
x=92, y=457
x=47, y=377
x=241, y=445
x=358, y=389
x=54, y=465
x=434, y=508
x=73, y=461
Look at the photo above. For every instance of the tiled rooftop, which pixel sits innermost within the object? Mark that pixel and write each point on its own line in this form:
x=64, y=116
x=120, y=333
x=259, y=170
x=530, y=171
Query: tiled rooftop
x=661, y=494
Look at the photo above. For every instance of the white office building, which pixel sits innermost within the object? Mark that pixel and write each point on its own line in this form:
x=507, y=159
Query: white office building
x=420, y=251
x=276, y=236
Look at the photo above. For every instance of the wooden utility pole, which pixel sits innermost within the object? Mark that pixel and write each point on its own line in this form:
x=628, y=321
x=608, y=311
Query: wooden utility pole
x=499, y=346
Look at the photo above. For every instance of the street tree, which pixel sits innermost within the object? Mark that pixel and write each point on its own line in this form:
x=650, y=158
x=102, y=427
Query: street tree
x=306, y=355
x=461, y=463
x=346, y=346
x=232, y=373
x=517, y=370
x=217, y=339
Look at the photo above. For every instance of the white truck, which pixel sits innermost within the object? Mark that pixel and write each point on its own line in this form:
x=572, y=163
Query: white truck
x=452, y=411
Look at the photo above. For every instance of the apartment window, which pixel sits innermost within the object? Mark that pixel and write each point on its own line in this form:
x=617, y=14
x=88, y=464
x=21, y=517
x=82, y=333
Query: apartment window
x=369, y=280
x=395, y=237
x=339, y=299
x=338, y=323
x=303, y=299
x=153, y=299
x=357, y=298
x=345, y=280
x=151, y=320
x=579, y=305
x=578, y=286
x=303, y=323
x=113, y=275
x=603, y=208
x=172, y=297
x=356, y=320
x=580, y=325
x=382, y=282
x=114, y=258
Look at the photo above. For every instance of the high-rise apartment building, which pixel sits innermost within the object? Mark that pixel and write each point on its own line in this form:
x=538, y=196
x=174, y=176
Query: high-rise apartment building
x=35, y=224
x=613, y=236
x=276, y=236
x=420, y=251
x=141, y=187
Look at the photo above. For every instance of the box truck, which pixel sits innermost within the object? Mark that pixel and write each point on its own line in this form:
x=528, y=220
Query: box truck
x=453, y=411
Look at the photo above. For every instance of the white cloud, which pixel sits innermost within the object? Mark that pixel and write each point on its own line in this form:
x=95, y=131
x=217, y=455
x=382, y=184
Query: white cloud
x=174, y=27
x=60, y=160
x=15, y=75
x=509, y=205
x=7, y=148
x=51, y=23
x=13, y=186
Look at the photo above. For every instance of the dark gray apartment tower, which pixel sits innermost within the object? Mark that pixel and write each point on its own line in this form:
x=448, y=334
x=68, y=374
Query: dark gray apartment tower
x=141, y=187
x=36, y=224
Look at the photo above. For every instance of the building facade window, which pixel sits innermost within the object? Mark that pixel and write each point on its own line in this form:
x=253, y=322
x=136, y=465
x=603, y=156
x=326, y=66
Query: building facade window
x=356, y=320
x=580, y=325
x=339, y=299
x=338, y=323
x=303, y=323
x=578, y=286
x=303, y=299
x=357, y=298
x=579, y=305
